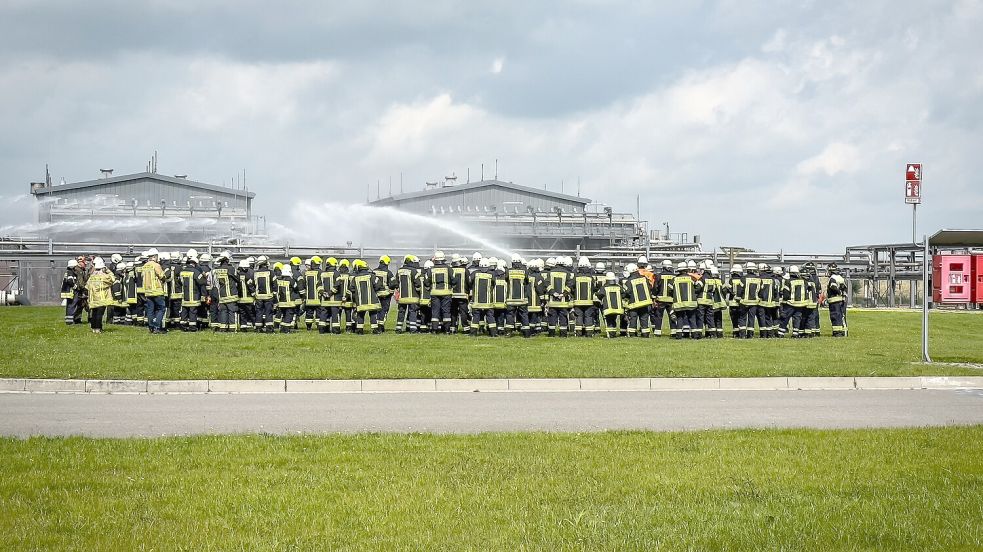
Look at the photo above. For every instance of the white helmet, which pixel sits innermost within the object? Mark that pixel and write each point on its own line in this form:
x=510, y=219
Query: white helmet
x=500, y=264
x=666, y=263
x=714, y=271
x=116, y=258
x=584, y=262
x=98, y=263
x=151, y=252
x=72, y=263
x=599, y=267
x=205, y=257
x=703, y=265
x=609, y=276
x=539, y=263
x=455, y=257
x=776, y=270
x=165, y=256
x=691, y=264
x=794, y=269
x=476, y=256
x=550, y=261
x=751, y=266
x=438, y=255
x=483, y=263
x=632, y=267
x=94, y=259
x=643, y=260
x=516, y=258
x=129, y=264
x=244, y=264
x=428, y=264
x=286, y=270
x=681, y=265
x=737, y=268
x=227, y=254
x=262, y=259
x=192, y=252
x=493, y=261
x=568, y=261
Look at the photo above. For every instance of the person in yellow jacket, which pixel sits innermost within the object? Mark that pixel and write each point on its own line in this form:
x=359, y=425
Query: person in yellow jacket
x=100, y=288
x=153, y=291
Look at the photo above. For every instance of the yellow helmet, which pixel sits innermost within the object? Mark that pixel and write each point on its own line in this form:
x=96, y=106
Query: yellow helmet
x=278, y=265
x=332, y=261
x=385, y=259
x=409, y=259
x=359, y=263
x=343, y=262
x=295, y=261
x=316, y=260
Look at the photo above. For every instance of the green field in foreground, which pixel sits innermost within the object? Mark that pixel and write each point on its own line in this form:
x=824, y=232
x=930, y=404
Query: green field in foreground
x=919, y=489
x=36, y=343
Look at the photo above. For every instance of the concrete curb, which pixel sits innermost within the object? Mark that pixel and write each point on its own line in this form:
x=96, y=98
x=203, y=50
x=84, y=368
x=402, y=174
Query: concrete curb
x=491, y=385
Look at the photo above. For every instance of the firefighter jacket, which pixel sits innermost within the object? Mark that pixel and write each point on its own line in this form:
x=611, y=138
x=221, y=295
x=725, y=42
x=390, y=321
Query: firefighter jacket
x=439, y=280
x=836, y=289
x=225, y=283
x=100, y=288
x=460, y=277
x=152, y=279
x=193, y=287
x=340, y=297
x=387, y=279
x=69, y=284
x=501, y=289
x=663, y=287
x=482, y=289
x=559, y=285
x=535, y=289
x=752, y=287
x=172, y=277
x=767, y=293
x=683, y=293
x=637, y=291
x=735, y=289
x=247, y=286
x=264, y=282
x=287, y=295
x=408, y=282
x=300, y=282
x=518, y=283
x=795, y=290
x=584, y=288
x=312, y=286
x=364, y=286
x=611, y=299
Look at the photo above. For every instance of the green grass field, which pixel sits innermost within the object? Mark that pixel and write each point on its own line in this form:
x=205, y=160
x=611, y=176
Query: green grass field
x=718, y=490
x=35, y=343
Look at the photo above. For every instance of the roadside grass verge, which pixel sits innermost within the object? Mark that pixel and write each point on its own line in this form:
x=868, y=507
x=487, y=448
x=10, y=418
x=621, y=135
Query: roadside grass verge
x=916, y=489
x=35, y=343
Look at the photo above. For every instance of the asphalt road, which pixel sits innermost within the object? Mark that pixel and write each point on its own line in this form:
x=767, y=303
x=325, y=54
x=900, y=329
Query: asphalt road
x=100, y=415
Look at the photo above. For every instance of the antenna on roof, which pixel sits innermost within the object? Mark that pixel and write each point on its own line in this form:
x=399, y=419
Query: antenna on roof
x=390, y=185
x=482, y=172
x=47, y=176
x=578, y=186
x=496, y=168
x=106, y=173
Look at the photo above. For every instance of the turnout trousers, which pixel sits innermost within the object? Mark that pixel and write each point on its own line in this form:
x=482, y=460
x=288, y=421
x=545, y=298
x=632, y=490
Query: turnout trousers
x=612, y=325
x=518, y=318
x=361, y=316
x=584, y=323
x=460, y=316
x=558, y=320
x=247, y=316
x=264, y=315
x=706, y=315
x=638, y=322
x=189, y=319
x=486, y=318
x=406, y=317
x=227, y=316
x=287, y=319
x=837, y=318
x=440, y=313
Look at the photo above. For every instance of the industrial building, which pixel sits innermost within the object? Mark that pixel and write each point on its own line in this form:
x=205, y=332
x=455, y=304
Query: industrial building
x=523, y=217
x=142, y=207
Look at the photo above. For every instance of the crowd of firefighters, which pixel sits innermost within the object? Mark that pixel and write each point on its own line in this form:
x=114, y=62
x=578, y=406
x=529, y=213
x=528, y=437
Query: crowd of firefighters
x=481, y=295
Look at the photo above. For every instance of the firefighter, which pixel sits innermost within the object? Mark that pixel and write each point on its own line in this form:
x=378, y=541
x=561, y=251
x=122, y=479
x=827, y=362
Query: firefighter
x=501, y=295
x=798, y=299
x=482, y=287
x=696, y=320
x=785, y=309
x=208, y=311
x=813, y=289
x=459, y=295
x=277, y=315
x=475, y=264
x=172, y=271
x=153, y=280
x=225, y=288
x=312, y=291
x=440, y=281
x=119, y=293
x=329, y=308
x=518, y=297
x=719, y=302
x=735, y=295
x=247, y=295
x=752, y=291
x=364, y=287
x=706, y=292
x=130, y=294
x=388, y=281
x=836, y=298
x=140, y=318
x=408, y=302
x=287, y=296
x=662, y=305
x=600, y=278
x=99, y=286
x=638, y=301
x=535, y=289
x=265, y=285
x=71, y=293
x=584, y=289
x=559, y=285
x=768, y=302
x=424, y=312
x=684, y=302
x=194, y=291
x=610, y=300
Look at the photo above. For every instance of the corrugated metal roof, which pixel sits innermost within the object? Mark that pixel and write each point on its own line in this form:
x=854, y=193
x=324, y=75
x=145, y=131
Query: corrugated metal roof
x=139, y=176
x=957, y=238
x=481, y=184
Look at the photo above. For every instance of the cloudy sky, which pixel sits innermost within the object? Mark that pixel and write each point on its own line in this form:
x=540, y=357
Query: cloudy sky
x=765, y=124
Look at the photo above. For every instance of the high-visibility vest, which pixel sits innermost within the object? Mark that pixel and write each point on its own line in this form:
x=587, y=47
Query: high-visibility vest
x=797, y=293
x=501, y=290
x=664, y=285
x=558, y=281
x=483, y=293
x=518, y=296
x=100, y=288
x=611, y=301
x=366, y=296
x=752, y=285
x=223, y=278
x=682, y=288
x=406, y=278
x=705, y=296
x=583, y=287
x=835, y=289
x=385, y=277
x=312, y=281
x=263, y=279
x=460, y=288
x=639, y=293
x=153, y=286
x=440, y=281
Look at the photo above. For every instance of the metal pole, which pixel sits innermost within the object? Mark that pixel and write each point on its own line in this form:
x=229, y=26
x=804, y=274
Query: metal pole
x=925, y=299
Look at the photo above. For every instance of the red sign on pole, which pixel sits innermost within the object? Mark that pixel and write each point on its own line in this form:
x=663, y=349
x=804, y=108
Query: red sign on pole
x=913, y=183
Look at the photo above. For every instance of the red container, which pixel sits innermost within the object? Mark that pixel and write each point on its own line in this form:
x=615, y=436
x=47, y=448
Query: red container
x=951, y=278
x=977, y=275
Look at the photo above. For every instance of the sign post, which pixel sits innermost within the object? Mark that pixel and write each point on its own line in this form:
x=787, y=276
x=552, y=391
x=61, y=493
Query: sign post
x=913, y=193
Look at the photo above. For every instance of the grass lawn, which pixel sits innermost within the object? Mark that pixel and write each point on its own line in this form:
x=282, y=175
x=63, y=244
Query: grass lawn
x=34, y=342
x=917, y=489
